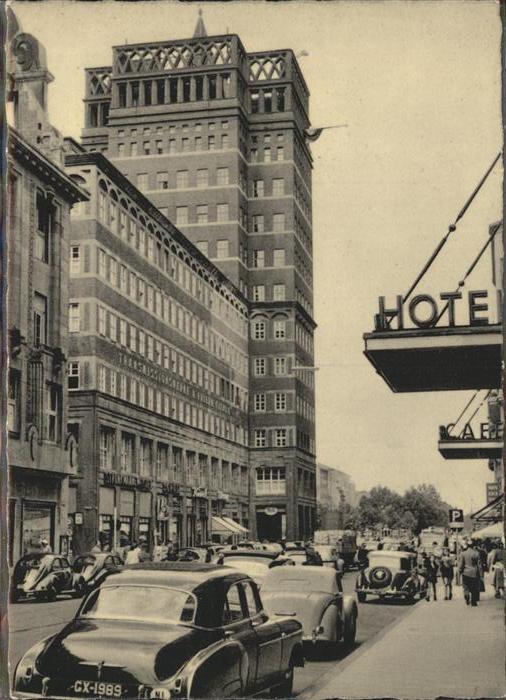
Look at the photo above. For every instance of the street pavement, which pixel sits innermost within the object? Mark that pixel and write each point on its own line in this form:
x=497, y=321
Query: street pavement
x=439, y=649
x=30, y=622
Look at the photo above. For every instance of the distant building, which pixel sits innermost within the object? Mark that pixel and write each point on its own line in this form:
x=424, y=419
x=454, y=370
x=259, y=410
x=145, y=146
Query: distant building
x=42, y=454
x=334, y=489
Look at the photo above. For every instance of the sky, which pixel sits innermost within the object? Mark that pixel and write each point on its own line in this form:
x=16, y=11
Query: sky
x=418, y=86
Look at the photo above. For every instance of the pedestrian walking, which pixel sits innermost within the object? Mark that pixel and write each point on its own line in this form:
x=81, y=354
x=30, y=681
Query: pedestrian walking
x=446, y=571
x=497, y=564
x=431, y=566
x=144, y=554
x=469, y=567
x=133, y=555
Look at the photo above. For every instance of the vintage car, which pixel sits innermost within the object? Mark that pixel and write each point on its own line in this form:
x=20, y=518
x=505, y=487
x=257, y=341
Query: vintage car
x=192, y=554
x=91, y=569
x=391, y=575
x=313, y=596
x=166, y=630
x=253, y=563
x=42, y=576
x=296, y=554
x=329, y=555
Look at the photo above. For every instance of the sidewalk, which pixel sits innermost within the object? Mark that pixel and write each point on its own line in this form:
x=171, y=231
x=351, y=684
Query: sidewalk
x=441, y=648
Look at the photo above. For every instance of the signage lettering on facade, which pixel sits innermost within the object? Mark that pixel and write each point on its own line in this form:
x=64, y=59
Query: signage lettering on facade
x=456, y=518
x=163, y=377
x=115, y=479
x=485, y=431
x=423, y=310
x=493, y=491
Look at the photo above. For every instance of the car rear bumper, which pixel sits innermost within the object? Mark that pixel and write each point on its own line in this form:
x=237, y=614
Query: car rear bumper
x=386, y=592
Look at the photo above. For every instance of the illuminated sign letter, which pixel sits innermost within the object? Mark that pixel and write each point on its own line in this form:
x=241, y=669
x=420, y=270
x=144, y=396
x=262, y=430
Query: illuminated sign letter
x=386, y=315
x=473, y=308
x=419, y=299
x=450, y=298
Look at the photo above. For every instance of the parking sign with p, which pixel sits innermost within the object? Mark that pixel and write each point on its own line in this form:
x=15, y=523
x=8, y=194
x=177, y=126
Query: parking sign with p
x=456, y=518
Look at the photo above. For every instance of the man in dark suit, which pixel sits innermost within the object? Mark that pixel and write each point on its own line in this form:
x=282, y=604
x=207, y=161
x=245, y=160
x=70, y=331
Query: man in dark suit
x=469, y=567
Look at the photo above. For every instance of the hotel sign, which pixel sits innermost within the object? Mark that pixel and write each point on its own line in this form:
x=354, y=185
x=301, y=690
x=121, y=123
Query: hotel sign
x=484, y=431
x=423, y=310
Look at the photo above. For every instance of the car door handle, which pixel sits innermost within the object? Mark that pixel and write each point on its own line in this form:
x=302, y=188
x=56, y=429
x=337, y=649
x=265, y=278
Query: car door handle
x=283, y=634
x=256, y=623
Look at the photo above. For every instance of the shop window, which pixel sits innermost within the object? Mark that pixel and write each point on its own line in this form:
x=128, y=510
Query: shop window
x=53, y=413
x=14, y=402
x=107, y=447
x=38, y=525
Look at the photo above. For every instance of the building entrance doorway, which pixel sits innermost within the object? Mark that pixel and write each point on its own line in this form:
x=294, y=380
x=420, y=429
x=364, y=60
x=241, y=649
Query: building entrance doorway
x=270, y=524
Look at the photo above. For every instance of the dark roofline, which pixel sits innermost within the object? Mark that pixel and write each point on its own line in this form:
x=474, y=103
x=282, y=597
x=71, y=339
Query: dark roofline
x=124, y=183
x=37, y=161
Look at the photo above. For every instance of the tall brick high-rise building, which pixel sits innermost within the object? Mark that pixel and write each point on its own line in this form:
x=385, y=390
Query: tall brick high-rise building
x=214, y=136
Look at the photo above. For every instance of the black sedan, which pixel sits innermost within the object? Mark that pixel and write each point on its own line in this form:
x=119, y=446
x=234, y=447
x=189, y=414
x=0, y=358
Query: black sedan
x=166, y=630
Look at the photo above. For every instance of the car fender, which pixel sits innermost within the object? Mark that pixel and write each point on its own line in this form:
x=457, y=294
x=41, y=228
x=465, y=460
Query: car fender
x=49, y=580
x=331, y=621
x=210, y=658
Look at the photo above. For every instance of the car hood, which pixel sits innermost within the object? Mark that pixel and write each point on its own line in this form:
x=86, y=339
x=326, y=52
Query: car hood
x=308, y=607
x=131, y=652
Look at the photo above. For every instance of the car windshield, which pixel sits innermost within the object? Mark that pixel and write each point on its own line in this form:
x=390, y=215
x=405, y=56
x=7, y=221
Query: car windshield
x=252, y=567
x=378, y=559
x=140, y=603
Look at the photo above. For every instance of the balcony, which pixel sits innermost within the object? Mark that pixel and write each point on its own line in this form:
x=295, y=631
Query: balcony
x=485, y=441
x=431, y=357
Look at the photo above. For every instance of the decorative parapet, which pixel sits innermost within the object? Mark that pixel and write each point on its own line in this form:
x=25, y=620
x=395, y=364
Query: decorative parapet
x=98, y=82
x=173, y=56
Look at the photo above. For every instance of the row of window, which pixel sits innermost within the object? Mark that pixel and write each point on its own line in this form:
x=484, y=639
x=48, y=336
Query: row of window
x=138, y=93
x=116, y=215
x=128, y=335
x=272, y=437
x=138, y=393
x=183, y=144
x=270, y=481
x=184, y=179
x=277, y=188
x=304, y=338
x=51, y=400
x=277, y=365
x=263, y=329
x=275, y=258
x=305, y=409
x=303, y=233
x=303, y=301
x=166, y=463
x=200, y=214
x=275, y=292
x=167, y=309
x=277, y=223
x=184, y=128
x=276, y=402
x=303, y=268
x=267, y=154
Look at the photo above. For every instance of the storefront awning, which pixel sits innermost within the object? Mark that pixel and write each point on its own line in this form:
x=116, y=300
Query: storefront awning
x=492, y=512
x=240, y=529
x=437, y=359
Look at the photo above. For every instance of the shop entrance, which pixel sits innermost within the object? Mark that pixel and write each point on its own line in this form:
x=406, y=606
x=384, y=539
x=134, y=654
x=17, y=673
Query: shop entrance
x=270, y=527
x=38, y=525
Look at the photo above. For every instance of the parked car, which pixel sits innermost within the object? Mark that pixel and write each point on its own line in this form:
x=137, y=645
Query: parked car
x=297, y=555
x=391, y=575
x=313, y=596
x=41, y=576
x=165, y=630
x=253, y=563
x=192, y=554
x=329, y=555
x=90, y=570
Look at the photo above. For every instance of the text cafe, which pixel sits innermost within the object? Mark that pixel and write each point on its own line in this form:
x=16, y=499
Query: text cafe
x=483, y=431
x=424, y=311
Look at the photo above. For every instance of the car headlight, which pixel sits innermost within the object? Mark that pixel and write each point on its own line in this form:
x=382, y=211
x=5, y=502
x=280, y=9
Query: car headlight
x=161, y=693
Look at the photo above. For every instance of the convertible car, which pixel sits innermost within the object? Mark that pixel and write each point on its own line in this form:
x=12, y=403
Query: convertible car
x=313, y=596
x=41, y=576
x=91, y=569
x=391, y=575
x=166, y=630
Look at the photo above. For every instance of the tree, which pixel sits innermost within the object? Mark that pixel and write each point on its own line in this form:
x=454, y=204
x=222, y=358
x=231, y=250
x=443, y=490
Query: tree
x=426, y=506
x=379, y=508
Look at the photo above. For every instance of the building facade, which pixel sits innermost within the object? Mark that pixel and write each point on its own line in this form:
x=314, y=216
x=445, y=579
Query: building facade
x=214, y=137
x=42, y=455
x=334, y=489
x=158, y=373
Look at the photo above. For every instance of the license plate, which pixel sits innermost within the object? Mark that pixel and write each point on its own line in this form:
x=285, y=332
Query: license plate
x=97, y=689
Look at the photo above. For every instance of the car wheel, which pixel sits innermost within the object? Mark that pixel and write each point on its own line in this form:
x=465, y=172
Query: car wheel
x=51, y=593
x=285, y=689
x=361, y=596
x=350, y=630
